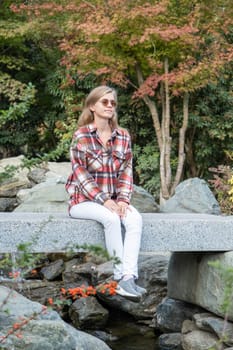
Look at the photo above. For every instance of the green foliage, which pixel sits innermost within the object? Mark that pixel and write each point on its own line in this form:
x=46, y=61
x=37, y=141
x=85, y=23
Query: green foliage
x=209, y=134
x=221, y=187
x=29, y=60
x=24, y=256
x=18, y=110
x=95, y=250
x=230, y=192
x=7, y=173
x=147, y=168
x=20, y=262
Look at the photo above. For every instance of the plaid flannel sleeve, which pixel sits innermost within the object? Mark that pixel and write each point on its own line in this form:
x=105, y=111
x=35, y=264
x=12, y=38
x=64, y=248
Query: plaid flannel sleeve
x=125, y=178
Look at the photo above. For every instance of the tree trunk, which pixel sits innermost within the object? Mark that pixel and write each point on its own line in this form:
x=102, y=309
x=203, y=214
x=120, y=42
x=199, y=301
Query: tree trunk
x=181, y=151
x=190, y=160
x=160, y=134
x=162, y=131
x=165, y=161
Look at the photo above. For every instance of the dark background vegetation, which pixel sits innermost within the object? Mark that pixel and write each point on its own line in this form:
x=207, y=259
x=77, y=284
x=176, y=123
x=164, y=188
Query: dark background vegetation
x=38, y=110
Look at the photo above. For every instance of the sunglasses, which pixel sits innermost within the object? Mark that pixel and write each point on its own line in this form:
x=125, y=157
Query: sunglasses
x=105, y=102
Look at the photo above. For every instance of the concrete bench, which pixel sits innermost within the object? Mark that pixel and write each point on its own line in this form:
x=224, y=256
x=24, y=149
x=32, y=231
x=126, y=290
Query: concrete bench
x=55, y=232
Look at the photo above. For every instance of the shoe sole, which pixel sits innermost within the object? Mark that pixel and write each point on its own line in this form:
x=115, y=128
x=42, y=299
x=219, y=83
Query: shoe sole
x=120, y=291
x=141, y=292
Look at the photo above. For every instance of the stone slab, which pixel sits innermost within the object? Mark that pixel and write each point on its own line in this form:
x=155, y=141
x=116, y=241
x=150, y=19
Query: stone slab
x=161, y=232
x=202, y=283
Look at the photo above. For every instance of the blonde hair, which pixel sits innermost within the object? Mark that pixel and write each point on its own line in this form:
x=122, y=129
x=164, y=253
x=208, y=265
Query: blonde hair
x=87, y=115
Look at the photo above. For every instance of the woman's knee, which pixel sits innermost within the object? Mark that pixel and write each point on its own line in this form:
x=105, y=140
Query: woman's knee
x=135, y=218
x=133, y=224
x=112, y=219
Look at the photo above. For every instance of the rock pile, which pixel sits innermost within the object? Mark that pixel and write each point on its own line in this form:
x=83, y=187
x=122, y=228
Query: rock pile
x=56, y=272
x=198, y=310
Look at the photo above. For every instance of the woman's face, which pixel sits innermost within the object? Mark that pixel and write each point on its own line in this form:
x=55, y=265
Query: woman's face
x=105, y=107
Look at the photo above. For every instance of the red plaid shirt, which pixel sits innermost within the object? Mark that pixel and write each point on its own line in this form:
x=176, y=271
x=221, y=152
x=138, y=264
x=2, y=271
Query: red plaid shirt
x=98, y=173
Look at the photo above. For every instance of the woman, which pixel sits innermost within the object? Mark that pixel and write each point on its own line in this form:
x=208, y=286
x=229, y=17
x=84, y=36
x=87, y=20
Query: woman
x=100, y=185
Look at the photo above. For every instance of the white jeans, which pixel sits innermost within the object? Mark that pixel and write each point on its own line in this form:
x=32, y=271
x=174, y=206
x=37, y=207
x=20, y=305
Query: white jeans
x=126, y=250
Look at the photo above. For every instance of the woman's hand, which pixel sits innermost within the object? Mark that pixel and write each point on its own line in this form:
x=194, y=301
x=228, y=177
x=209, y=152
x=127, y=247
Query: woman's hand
x=119, y=208
x=123, y=207
x=112, y=206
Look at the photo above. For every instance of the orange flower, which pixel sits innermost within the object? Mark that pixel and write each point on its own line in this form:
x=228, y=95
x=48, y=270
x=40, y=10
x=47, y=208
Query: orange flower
x=19, y=335
x=63, y=291
x=16, y=325
x=15, y=274
x=50, y=301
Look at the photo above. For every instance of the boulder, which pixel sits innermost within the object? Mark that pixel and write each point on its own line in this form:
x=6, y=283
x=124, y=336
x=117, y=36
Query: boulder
x=216, y=325
x=195, y=338
x=14, y=162
x=192, y=196
x=37, y=175
x=43, y=329
x=11, y=187
x=170, y=314
x=87, y=313
x=76, y=274
x=8, y=204
x=199, y=340
x=53, y=270
x=144, y=201
x=170, y=341
x=47, y=196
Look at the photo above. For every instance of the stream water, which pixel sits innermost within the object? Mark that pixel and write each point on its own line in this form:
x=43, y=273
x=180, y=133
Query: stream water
x=128, y=334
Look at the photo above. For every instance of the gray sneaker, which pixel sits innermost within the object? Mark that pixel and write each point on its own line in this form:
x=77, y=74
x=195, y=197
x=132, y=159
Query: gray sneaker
x=126, y=289
x=139, y=289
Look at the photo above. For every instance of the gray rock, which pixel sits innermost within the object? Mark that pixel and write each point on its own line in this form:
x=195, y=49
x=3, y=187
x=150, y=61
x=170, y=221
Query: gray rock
x=45, y=330
x=37, y=175
x=192, y=196
x=8, y=204
x=220, y=327
x=16, y=162
x=170, y=314
x=199, y=340
x=76, y=274
x=170, y=341
x=53, y=270
x=37, y=290
x=10, y=188
x=87, y=313
x=144, y=201
x=44, y=197
x=188, y=326
x=198, y=318
x=60, y=171
x=104, y=271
